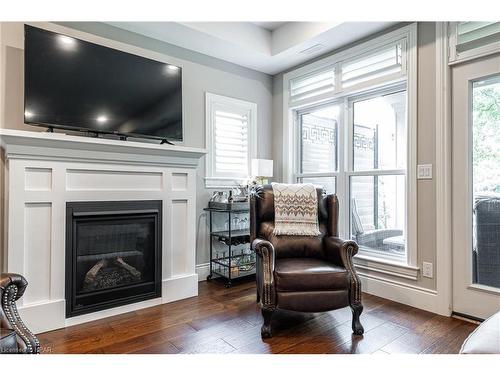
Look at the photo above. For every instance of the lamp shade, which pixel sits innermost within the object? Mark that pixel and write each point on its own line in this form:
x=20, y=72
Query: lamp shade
x=262, y=168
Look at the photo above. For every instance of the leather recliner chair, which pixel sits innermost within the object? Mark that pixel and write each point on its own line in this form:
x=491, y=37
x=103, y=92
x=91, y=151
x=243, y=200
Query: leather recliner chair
x=303, y=273
x=15, y=336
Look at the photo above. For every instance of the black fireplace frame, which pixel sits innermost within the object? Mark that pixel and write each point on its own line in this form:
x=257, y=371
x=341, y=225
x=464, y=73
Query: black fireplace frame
x=116, y=209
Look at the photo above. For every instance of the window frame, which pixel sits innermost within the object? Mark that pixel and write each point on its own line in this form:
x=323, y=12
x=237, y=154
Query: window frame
x=212, y=101
x=350, y=172
x=297, y=173
x=406, y=80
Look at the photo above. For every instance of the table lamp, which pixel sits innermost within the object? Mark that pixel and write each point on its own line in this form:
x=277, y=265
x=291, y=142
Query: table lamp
x=261, y=169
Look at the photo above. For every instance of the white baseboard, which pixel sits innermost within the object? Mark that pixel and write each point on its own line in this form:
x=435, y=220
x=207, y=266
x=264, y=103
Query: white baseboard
x=202, y=270
x=45, y=316
x=179, y=287
x=111, y=312
x=407, y=294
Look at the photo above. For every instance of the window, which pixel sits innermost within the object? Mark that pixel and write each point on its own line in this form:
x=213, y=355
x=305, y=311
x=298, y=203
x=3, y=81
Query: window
x=318, y=146
x=355, y=140
x=231, y=127
x=470, y=40
x=377, y=192
x=486, y=180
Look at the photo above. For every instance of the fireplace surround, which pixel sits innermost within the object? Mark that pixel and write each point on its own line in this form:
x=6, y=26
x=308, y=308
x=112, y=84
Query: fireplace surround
x=45, y=171
x=113, y=254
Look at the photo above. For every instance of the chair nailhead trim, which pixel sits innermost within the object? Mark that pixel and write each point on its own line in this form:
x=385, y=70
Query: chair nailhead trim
x=12, y=314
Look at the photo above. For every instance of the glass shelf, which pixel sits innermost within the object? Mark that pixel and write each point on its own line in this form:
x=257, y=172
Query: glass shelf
x=234, y=233
x=239, y=210
x=225, y=260
x=224, y=272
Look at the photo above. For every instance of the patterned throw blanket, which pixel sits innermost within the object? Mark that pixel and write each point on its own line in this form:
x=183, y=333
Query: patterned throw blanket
x=295, y=210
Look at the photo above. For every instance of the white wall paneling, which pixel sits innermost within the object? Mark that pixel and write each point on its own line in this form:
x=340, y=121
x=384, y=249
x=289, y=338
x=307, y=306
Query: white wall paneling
x=48, y=170
x=179, y=181
x=38, y=179
x=112, y=179
x=178, y=221
x=37, y=248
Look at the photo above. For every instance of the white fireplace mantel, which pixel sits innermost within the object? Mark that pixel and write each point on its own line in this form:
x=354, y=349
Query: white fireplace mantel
x=56, y=146
x=46, y=170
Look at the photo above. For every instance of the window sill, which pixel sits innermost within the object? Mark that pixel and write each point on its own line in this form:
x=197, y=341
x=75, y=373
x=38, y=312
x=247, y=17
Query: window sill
x=365, y=263
x=223, y=182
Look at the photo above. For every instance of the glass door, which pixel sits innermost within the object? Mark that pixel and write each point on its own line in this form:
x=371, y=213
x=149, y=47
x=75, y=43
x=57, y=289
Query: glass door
x=476, y=187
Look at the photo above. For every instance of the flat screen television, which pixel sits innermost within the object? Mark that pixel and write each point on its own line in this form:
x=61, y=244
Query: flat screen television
x=74, y=84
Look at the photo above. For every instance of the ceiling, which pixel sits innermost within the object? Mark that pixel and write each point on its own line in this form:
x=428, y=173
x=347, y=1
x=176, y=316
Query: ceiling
x=269, y=25
x=268, y=47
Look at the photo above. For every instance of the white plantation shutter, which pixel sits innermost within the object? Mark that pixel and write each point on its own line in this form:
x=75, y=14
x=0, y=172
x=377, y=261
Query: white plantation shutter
x=231, y=143
x=476, y=34
x=370, y=67
x=469, y=40
x=313, y=84
x=231, y=126
x=379, y=63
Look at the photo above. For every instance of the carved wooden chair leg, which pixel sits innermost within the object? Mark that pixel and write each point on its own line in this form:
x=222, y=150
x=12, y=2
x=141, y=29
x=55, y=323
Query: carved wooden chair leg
x=357, y=327
x=265, y=331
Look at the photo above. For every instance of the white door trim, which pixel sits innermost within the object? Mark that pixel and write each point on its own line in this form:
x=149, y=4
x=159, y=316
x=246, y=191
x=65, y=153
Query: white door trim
x=468, y=298
x=443, y=173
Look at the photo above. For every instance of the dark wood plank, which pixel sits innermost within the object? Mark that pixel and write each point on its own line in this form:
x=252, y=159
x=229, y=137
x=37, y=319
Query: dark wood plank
x=403, y=315
x=222, y=320
x=329, y=340
x=158, y=348
x=452, y=341
x=422, y=336
x=138, y=343
x=211, y=337
x=373, y=340
x=289, y=329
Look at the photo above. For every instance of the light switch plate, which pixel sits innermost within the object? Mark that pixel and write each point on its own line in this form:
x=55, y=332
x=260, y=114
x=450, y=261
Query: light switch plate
x=424, y=171
x=427, y=270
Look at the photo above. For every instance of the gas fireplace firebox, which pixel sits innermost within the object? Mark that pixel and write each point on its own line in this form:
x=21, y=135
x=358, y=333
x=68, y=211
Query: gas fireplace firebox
x=113, y=254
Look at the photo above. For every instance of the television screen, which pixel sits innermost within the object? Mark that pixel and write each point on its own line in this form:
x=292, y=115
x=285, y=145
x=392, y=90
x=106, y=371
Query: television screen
x=73, y=84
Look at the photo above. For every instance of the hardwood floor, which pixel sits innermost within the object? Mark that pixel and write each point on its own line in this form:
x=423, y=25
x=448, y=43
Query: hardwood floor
x=223, y=320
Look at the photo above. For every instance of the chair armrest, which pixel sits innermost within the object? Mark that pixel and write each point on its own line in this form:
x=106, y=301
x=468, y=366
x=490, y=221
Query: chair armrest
x=12, y=287
x=265, y=251
x=340, y=252
x=7, y=279
x=263, y=248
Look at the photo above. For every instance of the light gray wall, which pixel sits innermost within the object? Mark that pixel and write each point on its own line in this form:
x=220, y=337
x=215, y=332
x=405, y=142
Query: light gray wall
x=278, y=126
x=201, y=73
x=426, y=150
